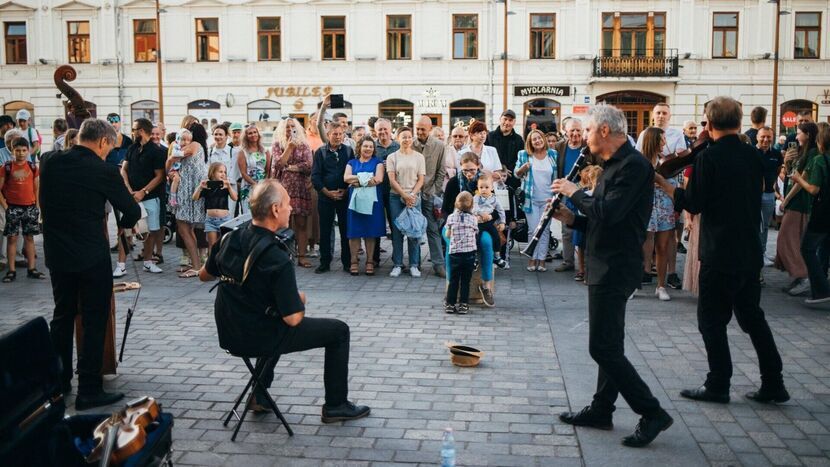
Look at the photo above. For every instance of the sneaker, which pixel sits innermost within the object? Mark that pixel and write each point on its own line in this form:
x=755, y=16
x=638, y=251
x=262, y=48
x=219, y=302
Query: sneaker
x=500, y=262
x=768, y=262
x=414, y=271
x=802, y=288
x=564, y=267
x=633, y=294
x=681, y=249
x=662, y=294
x=486, y=296
x=396, y=271
x=817, y=301
x=475, y=264
x=462, y=309
x=673, y=281
x=120, y=270
x=788, y=287
x=449, y=309
x=150, y=266
x=646, y=278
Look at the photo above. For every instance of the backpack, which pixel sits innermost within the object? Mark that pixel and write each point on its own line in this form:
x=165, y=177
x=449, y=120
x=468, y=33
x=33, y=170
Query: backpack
x=7, y=168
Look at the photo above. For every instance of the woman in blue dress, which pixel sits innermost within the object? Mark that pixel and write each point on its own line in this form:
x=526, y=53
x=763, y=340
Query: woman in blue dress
x=364, y=220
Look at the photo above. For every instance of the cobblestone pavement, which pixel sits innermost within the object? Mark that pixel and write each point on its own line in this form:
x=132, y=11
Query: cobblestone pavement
x=503, y=412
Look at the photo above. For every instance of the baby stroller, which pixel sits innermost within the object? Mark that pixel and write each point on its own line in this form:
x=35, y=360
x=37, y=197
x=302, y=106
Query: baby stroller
x=169, y=226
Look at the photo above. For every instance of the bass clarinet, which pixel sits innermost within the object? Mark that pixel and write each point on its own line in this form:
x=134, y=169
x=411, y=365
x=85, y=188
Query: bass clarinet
x=544, y=222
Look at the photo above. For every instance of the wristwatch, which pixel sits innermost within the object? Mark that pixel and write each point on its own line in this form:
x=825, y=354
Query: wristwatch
x=145, y=191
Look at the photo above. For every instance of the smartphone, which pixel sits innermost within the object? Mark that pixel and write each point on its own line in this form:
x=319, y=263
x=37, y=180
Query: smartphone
x=336, y=101
x=215, y=184
x=792, y=145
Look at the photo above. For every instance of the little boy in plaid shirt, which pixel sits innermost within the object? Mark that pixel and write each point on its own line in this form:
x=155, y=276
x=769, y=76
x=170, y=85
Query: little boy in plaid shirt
x=462, y=227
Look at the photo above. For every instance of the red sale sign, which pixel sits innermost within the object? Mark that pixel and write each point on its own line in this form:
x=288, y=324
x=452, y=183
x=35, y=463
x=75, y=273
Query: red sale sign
x=789, y=119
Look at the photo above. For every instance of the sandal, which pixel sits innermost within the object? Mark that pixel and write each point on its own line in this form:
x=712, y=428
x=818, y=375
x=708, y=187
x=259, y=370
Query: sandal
x=184, y=268
x=354, y=270
x=370, y=268
x=303, y=262
x=35, y=274
x=189, y=274
x=10, y=277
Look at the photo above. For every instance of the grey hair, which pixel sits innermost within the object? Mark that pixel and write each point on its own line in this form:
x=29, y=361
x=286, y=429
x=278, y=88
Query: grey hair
x=265, y=194
x=614, y=118
x=11, y=135
x=571, y=121
x=94, y=129
x=383, y=120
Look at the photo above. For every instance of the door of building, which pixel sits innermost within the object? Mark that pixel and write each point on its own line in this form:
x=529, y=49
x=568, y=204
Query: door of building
x=437, y=119
x=302, y=118
x=636, y=105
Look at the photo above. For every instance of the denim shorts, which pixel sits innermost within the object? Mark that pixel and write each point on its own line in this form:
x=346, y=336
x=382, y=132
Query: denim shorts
x=153, y=208
x=212, y=223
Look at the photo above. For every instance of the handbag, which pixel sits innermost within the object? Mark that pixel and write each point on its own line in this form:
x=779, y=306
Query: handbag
x=411, y=223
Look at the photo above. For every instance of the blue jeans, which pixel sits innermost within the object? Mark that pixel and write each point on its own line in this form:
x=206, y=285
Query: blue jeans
x=396, y=207
x=486, y=253
x=767, y=211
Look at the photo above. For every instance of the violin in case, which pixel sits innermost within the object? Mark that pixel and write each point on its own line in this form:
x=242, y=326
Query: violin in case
x=35, y=431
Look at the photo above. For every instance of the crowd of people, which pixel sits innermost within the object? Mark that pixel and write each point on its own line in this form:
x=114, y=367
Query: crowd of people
x=364, y=179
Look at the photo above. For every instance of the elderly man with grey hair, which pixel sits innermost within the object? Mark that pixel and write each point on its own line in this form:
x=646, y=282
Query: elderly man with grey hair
x=614, y=218
x=567, y=152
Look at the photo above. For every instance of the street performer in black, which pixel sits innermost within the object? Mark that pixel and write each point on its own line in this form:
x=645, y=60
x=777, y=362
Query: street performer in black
x=725, y=189
x=259, y=310
x=615, y=220
x=74, y=187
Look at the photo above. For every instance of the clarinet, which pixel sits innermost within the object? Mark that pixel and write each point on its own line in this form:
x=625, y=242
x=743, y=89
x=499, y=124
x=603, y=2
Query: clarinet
x=544, y=222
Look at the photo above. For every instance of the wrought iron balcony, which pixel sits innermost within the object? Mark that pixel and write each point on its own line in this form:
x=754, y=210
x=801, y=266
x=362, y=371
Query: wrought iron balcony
x=620, y=63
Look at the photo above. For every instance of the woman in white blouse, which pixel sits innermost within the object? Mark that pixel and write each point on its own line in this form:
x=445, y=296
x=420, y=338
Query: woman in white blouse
x=487, y=155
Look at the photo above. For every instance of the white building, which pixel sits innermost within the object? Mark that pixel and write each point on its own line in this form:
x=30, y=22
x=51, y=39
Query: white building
x=249, y=60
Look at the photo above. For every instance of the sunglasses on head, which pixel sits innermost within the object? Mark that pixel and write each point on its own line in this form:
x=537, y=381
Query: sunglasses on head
x=114, y=119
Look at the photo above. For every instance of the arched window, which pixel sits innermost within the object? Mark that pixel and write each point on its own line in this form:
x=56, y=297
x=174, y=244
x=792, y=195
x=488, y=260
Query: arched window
x=464, y=110
x=796, y=106
x=12, y=107
x=636, y=105
x=207, y=111
x=542, y=114
x=397, y=111
x=145, y=109
x=265, y=113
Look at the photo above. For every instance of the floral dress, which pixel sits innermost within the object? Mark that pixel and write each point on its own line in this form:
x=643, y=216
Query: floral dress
x=256, y=170
x=663, y=217
x=193, y=170
x=295, y=183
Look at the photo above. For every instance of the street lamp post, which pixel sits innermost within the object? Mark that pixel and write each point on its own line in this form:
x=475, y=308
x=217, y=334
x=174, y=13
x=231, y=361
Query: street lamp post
x=158, y=61
x=504, y=90
x=775, y=68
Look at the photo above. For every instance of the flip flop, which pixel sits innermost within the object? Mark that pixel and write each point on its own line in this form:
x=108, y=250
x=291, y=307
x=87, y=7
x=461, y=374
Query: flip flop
x=189, y=273
x=184, y=268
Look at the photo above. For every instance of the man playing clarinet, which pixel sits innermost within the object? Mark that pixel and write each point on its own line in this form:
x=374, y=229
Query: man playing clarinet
x=615, y=220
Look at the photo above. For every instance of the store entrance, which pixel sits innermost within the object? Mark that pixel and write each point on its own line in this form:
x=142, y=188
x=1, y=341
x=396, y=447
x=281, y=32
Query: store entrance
x=636, y=105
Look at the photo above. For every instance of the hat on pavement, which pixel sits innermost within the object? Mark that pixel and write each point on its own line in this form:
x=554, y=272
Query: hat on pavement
x=236, y=126
x=23, y=114
x=462, y=355
x=509, y=113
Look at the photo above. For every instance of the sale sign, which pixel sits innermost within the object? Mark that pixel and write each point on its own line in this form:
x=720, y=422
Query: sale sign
x=789, y=119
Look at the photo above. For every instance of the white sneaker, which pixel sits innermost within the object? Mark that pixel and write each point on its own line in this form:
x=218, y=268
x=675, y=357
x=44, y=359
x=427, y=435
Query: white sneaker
x=120, y=270
x=633, y=294
x=150, y=266
x=662, y=294
x=767, y=262
x=396, y=271
x=414, y=271
x=801, y=288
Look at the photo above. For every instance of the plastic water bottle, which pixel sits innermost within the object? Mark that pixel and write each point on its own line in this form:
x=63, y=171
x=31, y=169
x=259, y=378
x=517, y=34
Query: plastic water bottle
x=448, y=449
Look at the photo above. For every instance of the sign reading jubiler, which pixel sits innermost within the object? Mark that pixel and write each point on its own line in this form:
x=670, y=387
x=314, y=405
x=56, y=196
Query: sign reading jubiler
x=298, y=91
x=525, y=91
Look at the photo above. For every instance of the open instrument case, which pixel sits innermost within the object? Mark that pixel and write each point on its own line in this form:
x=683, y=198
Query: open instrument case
x=34, y=429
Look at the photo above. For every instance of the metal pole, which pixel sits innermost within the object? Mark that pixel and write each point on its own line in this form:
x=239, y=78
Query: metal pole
x=158, y=61
x=775, y=124
x=504, y=90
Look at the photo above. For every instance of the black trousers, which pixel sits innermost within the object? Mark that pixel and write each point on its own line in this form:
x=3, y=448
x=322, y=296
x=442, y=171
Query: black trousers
x=739, y=292
x=327, y=209
x=814, y=252
x=89, y=290
x=461, y=271
x=606, y=343
x=490, y=227
x=313, y=333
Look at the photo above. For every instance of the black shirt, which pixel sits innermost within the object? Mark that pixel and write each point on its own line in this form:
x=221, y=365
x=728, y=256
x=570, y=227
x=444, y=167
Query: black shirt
x=329, y=167
x=74, y=186
x=249, y=317
x=142, y=163
x=615, y=219
x=752, y=134
x=725, y=189
x=215, y=198
x=772, y=161
x=508, y=146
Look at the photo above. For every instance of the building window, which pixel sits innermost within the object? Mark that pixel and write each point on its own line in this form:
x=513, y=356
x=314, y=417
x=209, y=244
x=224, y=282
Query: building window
x=542, y=35
x=144, y=109
x=725, y=35
x=807, y=35
x=464, y=36
x=207, y=39
x=463, y=111
x=399, y=37
x=268, y=38
x=542, y=115
x=397, y=111
x=15, y=34
x=633, y=34
x=78, y=39
x=334, y=37
x=145, y=40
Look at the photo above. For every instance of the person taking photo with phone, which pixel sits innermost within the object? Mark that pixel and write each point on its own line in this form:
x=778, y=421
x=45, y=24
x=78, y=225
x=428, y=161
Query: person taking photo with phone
x=215, y=191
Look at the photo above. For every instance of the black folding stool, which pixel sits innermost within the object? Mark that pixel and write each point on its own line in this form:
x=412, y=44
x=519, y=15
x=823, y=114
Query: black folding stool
x=255, y=382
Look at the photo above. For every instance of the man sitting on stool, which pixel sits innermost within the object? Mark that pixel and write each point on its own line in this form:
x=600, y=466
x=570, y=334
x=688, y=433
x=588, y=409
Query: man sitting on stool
x=265, y=313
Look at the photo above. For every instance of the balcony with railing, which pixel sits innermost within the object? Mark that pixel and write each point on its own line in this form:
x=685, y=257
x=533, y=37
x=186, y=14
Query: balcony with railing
x=627, y=63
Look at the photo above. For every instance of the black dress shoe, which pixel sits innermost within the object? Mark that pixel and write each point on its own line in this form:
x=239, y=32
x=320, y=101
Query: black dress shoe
x=704, y=394
x=648, y=429
x=766, y=396
x=343, y=412
x=322, y=269
x=588, y=417
x=98, y=399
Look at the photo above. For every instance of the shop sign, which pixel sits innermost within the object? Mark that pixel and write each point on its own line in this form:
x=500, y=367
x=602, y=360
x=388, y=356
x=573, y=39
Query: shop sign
x=541, y=90
x=432, y=102
x=202, y=104
x=298, y=91
x=789, y=119
x=580, y=109
x=825, y=99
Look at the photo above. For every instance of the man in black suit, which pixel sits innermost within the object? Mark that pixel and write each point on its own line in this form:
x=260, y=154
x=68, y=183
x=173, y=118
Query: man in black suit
x=74, y=186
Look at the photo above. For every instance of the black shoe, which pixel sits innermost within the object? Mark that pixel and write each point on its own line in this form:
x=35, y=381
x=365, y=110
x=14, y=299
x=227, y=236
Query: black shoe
x=257, y=406
x=98, y=399
x=486, y=296
x=646, y=278
x=681, y=249
x=449, y=309
x=462, y=309
x=704, y=394
x=343, y=412
x=557, y=256
x=648, y=429
x=114, y=249
x=500, y=262
x=322, y=269
x=674, y=281
x=766, y=396
x=588, y=417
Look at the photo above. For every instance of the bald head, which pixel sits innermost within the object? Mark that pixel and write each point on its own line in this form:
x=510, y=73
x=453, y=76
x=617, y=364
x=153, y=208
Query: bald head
x=422, y=128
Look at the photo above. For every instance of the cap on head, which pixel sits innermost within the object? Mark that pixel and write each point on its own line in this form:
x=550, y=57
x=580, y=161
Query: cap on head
x=236, y=126
x=509, y=113
x=23, y=114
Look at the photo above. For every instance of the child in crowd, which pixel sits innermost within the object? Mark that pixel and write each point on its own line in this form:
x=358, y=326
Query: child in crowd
x=215, y=192
x=490, y=215
x=588, y=180
x=184, y=138
x=19, y=180
x=462, y=229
